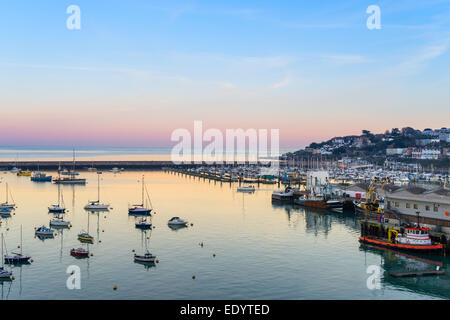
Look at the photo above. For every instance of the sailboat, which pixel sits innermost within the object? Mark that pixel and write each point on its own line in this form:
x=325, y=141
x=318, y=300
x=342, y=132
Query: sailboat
x=17, y=257
x=140, y=209
x=7, y=205
x=84, y=236
x=96, y=205
x=71, y=179
x=58, y=208
x=58, y=221
x=4, y=274
x=147, y=257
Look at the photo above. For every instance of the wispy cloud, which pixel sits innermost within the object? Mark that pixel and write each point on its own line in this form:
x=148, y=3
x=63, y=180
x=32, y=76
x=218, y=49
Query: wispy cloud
x=286, y=81
x=343, y=59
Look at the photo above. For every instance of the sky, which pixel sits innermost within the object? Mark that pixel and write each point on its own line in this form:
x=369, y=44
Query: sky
x=138, y=70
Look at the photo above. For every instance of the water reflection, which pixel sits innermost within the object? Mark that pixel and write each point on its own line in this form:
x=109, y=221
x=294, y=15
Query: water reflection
x=392, y=261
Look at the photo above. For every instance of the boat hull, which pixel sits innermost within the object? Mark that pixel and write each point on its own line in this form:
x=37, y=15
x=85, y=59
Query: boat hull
x=312, y=203
x=432, y=248
x=16, y=259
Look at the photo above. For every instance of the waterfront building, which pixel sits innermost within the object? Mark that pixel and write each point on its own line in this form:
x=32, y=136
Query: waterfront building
x=433, y=206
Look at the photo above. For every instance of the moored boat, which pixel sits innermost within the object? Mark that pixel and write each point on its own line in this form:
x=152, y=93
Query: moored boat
x=249, y=188
x=44, y=231
x=177, y=221
x=79, y=252
x=38, y=176
x=147, y=257
x=413, y=239
x=283, y=196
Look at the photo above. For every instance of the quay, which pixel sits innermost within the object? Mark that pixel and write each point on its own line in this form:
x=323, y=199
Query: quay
x=104, y=164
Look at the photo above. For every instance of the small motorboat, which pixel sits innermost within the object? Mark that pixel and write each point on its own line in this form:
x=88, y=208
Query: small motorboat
x=147, y=257
x=79, y=252
x=44, y=231
x=85, y=237
x=249, y=188
x=24, y=173
x=40, y=177
x=5, y=274
x=283, y=196
x=59, y=222
x=177, y=221
x=5, y=212
x=16, y=258
x=143, y=224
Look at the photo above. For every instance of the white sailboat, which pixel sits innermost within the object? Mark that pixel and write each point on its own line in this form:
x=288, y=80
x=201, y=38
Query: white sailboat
x=141, y=209
x=96, y=205
x=7, y=205
x=4, y=274
x=58, y=208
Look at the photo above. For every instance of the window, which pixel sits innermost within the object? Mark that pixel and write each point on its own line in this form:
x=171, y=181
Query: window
x=397, y=204
x=427, y=208
x=408, y=205
x=416, y=206
x=435, y=207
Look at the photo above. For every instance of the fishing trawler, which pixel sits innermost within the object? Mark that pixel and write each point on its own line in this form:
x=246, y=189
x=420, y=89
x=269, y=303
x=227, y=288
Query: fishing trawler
x=141, y=209
x=38, y=176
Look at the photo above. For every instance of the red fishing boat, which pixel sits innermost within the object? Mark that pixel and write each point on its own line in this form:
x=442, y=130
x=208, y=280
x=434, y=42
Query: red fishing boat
x=413, y=239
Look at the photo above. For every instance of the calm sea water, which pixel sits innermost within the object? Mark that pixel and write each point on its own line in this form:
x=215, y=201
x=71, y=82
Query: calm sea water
x=263, y=251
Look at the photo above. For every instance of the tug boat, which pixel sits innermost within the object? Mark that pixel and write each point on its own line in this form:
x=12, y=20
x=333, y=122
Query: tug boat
x=79, y=252
x=283, y=196
x=413, y=239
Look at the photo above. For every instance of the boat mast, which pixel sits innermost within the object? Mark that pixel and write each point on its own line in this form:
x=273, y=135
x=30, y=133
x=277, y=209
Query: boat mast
x=98, y=187
x=20, y=239
x=142, y=190
x=7, y=193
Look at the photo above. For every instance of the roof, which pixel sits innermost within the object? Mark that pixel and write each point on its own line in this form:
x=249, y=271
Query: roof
x=421, y=194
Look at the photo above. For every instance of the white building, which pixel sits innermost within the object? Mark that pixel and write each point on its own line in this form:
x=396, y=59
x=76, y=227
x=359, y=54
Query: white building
x=395, y=151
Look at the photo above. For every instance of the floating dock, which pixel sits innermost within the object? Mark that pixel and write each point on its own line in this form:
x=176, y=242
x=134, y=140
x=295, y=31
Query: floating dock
x=419, y=273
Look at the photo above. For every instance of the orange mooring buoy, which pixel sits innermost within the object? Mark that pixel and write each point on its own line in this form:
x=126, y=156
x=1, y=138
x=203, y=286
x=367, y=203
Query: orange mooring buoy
x=193, y=277
x=214, y=254
x=157, y=261
x=115, y=288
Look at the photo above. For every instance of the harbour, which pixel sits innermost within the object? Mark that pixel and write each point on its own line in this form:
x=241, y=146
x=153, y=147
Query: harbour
x=232, y=247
